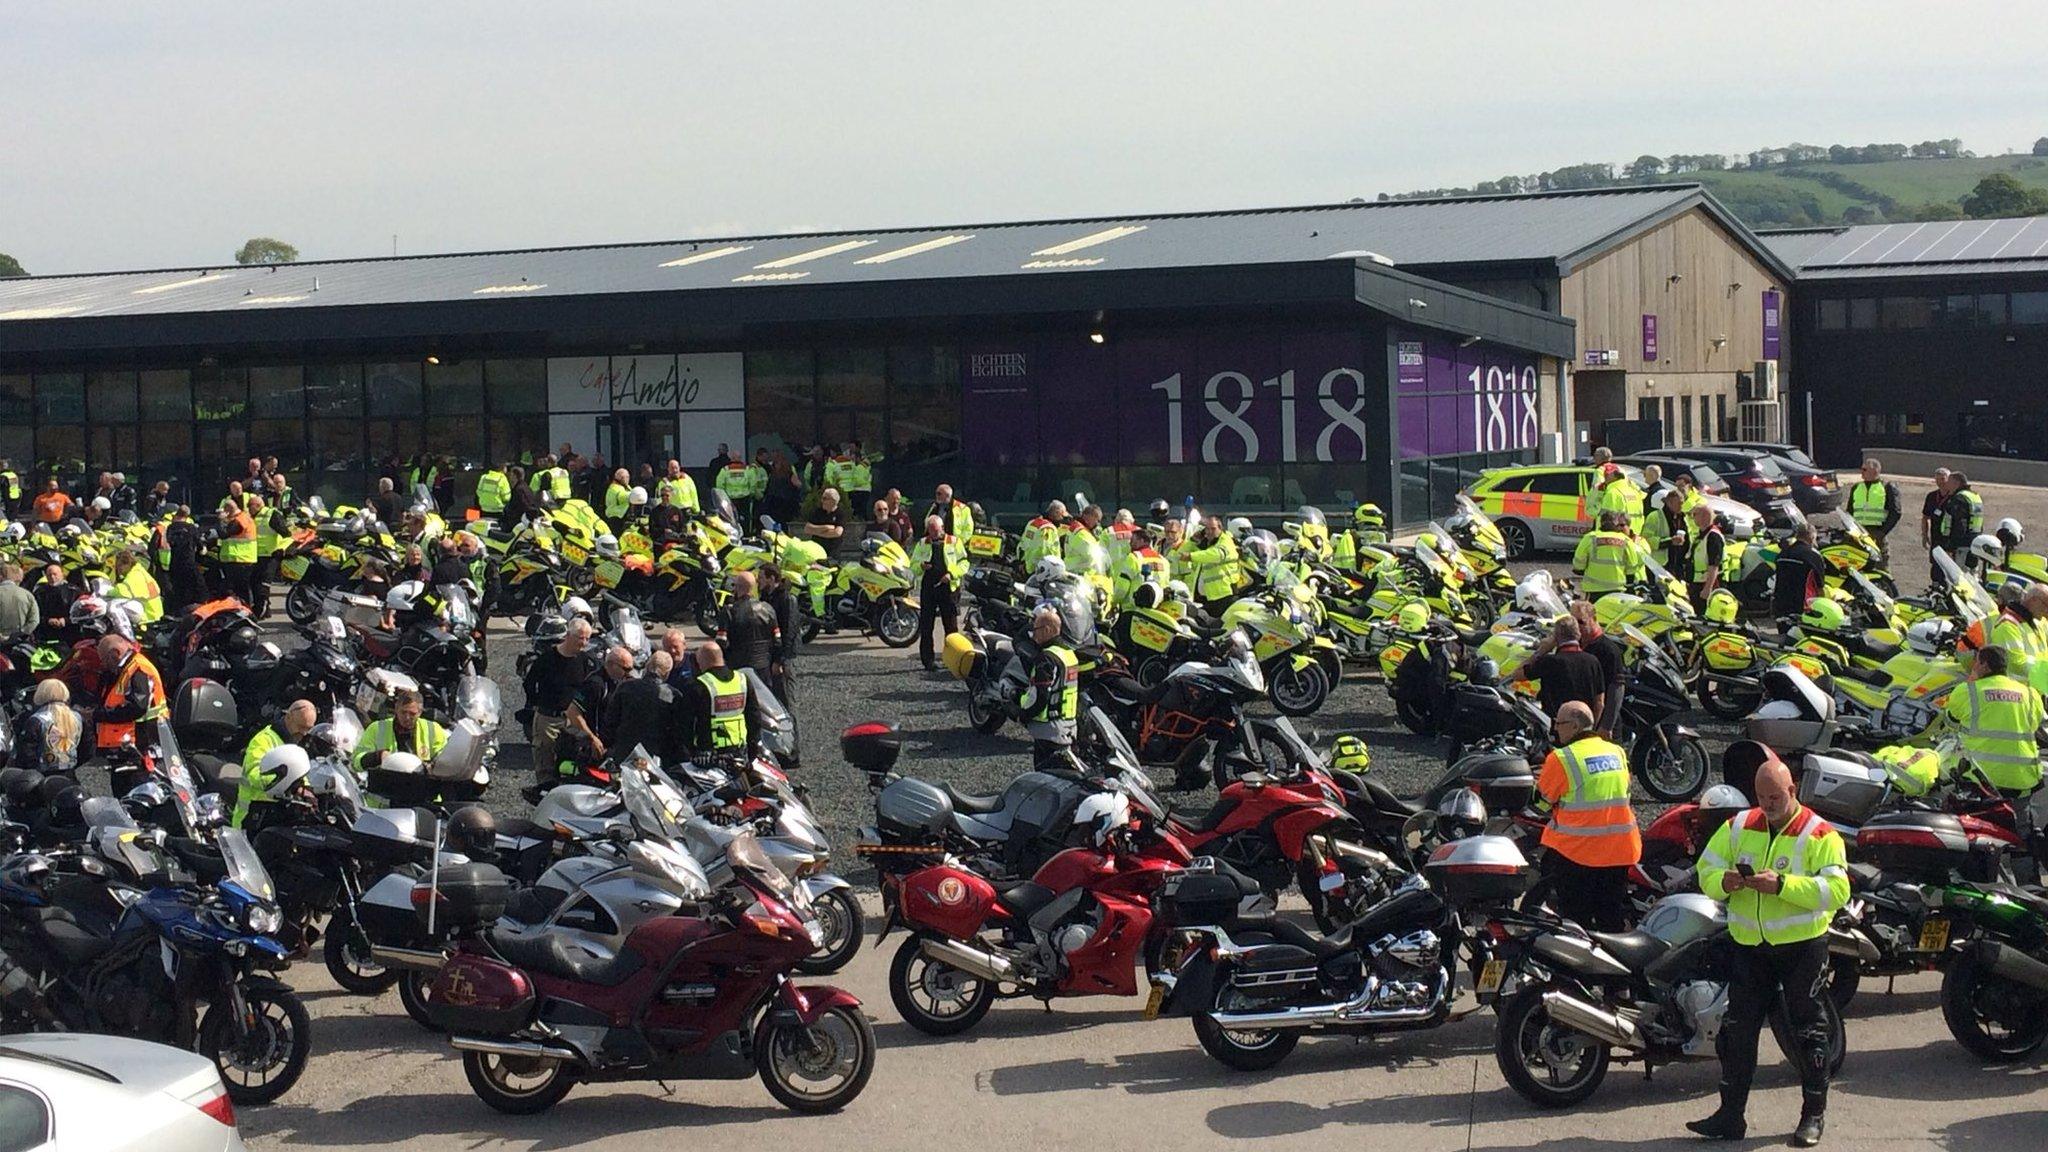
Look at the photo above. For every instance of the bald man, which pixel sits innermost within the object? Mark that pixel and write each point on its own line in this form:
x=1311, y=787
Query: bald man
x=721, y=713
x=1592, y=838
x=1784, y=873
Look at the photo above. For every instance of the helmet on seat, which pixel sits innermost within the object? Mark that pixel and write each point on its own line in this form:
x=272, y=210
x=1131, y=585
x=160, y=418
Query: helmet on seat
x=1461, y=814
x=1931, y=637
x=473, y=831
x=608, y=546
x=1147, y=595
x=1369, y=516
x=285, y=765
x=1824, y=615
x=1412, y=617
x=637, y=497
x=1238, y=527
x=1101, y=814
x=1722, y=607
x=1349, y=754
x=1050, y=569
x=1259, y=550
x=404, y=596
x=2010, y=531
x=1485, y=672
x=1987, y=549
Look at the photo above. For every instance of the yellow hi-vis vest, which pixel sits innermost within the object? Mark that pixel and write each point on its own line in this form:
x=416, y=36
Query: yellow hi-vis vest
x=1607, y=562
x=728, y=708
x=680, y=491
x=1998, y=717
x=493, y=489
x=1807, y=856
x=1866, y=503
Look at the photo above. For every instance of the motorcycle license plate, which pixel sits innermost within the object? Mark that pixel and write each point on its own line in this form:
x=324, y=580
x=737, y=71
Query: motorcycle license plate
x=1155, y=1001
x=1933, y=935
x=1491, y=975
x=294, y=567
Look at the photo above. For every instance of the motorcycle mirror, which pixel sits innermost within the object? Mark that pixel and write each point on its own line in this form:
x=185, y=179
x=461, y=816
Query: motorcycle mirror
x=619, y=833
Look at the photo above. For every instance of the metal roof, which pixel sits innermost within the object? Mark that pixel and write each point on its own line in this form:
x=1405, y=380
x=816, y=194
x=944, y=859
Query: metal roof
x=1563, y=228
x=1934, y=248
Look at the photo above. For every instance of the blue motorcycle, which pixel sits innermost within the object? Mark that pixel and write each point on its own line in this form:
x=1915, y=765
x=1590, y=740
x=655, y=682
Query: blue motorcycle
x=120, y=938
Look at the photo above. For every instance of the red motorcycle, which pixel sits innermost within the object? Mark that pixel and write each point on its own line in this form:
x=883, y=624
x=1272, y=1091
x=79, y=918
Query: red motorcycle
x=1076, y=928
x=685, y=998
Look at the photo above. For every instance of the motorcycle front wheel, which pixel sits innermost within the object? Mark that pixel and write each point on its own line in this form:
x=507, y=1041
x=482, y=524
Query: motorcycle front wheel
x=1728, y=701
x=1672, y=770
x=839, y=914
x=412, y=996
x=1298, y=691
x=347, y=954
x=517, y=1085
x=1997, y=1020
x=1415, y=716
x=261, y=1060
x=816, y=1067
x=895, y=622
x=984, y=719
x=302, y=603
x=1547, y=1064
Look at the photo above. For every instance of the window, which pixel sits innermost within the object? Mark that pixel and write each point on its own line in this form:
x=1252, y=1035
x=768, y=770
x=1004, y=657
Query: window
x=110, y=397
x=1863, y=313
x=517, y=386
x=1833, y=315
x=455, y=389
x=114, y=446
x=277, y=393
x=852, y=376
x=1684, y=420
x=167, y=395
x=284, y=439
x=1670, y=420
x=460, y=437
x=17, y=400
x=781, y=398
x=512, y=437
x=1707, y=432
x=1511, y=484
x=60, y=398
x=924, y=372
x=1720, y=415
x=393, y=389
x=1646, y=408
x=392, y=439
x=334, y=390
x=220, y=394
x=2030, y=308
x=167, y=453
x=1902, y=312
x=24, y=1119
x=334, y=446
x=1556, y=484
x=60, y=448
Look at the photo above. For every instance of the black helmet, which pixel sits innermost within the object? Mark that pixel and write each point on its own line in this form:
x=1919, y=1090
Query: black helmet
x=21, y=785
x=240, y=640
x=1461, y=814
x=55, y=786
x=473, y=831
x=1485, y=672
x=65, y=802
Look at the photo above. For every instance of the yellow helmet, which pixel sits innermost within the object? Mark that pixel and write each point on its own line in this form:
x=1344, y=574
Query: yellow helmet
x=1369, y=516
x=1412, y=617
x=1824, y=615
x=1723, y=607
x=1350, y=754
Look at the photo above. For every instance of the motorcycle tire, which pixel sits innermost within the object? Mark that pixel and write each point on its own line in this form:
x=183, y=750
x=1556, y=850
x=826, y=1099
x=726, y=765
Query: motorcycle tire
x=984, y=719
x=1415, y=716
x=894, y=622
x=838, y=912
x=1673, y=776
x=412, y=996
x=1973, y=1000
x=1235, y=1050
x=1523, y=1027
x=1845, y=975
x=1298, y=692
x=487, y=1074
x=812, y=626
x=342, y=949
x=1726, y=704
x=302, y=603
x=1838, y=1033
x=1152, y=669
x=282, y=1041
x=707, y=620
x=980, y=997
x=786, y=1049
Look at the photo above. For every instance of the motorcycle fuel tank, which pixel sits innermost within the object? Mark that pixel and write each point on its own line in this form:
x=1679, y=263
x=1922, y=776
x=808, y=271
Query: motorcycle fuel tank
x=947, y=900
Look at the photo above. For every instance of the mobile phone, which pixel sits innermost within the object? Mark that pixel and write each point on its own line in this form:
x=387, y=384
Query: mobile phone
x=1743, y=867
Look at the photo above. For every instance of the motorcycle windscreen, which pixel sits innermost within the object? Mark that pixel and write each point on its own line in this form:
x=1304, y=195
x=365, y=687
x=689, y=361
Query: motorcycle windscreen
x=245, y=868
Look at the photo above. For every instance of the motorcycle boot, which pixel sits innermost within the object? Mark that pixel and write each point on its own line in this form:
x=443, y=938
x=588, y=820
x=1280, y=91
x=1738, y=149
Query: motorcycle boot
x=1726, y=1123
x=1813, y=1090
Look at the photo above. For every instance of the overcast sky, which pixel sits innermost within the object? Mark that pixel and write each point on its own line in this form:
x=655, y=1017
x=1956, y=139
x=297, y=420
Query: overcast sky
x=142, y=134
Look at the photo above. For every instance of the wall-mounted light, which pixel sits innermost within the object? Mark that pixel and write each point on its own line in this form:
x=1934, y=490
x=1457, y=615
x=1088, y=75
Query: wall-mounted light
x=432, y=359
x=1675, y=277
x=1097, y=337
x=1719, y=342
x=1468, y=341
x=1417, y=302
x=1735, y=286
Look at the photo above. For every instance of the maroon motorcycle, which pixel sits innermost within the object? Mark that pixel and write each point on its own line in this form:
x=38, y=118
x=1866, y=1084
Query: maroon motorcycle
x=686, y=998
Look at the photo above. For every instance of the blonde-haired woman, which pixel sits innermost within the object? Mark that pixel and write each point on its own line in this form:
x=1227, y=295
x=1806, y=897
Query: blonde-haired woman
x=51, y=731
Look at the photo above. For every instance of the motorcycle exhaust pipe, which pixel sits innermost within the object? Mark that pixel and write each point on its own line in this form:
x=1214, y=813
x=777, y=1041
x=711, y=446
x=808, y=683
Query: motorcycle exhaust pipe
x=1348, y=1012
x=2012, y=964
x=1841, y=943
x=519, y=1049
x=1607, y=1027
x=975, y=962
x=410, y=958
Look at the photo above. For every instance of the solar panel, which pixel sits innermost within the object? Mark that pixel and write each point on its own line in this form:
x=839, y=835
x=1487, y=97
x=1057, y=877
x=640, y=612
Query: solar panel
x=1942, y=242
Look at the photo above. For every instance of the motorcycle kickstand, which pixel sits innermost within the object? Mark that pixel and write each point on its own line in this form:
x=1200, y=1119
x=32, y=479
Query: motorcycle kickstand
x=666, y=1088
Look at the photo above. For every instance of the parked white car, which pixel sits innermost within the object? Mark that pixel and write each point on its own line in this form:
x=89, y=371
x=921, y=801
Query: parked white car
x=72, y=1092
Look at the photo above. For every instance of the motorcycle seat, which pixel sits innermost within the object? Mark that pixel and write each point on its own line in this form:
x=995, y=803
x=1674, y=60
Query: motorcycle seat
x=972, y=804
x=2025, y=897
x=1290, y=933
x=1021, y=900
x=551, y=954
x=1879, y=650
x=1212, y=819
x=1635, y=949
x=71, y=943
x=1864, y=877
x=1384, y=800
x=1875, y=677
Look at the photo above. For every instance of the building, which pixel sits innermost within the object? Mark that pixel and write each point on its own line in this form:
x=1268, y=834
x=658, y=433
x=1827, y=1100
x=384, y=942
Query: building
x=1922, y=336
x=1254, y=359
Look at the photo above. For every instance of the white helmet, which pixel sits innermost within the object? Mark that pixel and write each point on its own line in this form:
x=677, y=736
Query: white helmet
x=2010, y=527
x=608, y=545
x=637, y=497
x=404, y=762
x=1102, y=813
x=1238, y=526
x=402, y=596
x=1723, y=798
x=14, y=531
x=1050, y=569
x=102, y=504
x=1987, y=548
x=286, y=765
x=1930, y=637
x=1178, y=589
x=577, y=607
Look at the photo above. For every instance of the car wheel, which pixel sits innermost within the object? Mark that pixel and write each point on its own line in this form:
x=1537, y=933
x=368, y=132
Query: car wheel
x=1517, y=538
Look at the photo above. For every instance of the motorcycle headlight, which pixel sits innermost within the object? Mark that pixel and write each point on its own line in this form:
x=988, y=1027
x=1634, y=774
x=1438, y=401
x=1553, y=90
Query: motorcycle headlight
x=262, y=920
x=816, y=932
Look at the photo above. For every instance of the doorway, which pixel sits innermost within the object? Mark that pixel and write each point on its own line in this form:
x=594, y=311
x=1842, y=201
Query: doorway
x=637, y=438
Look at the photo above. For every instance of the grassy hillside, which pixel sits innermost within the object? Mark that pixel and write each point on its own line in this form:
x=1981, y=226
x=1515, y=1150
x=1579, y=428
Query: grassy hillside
x=1822, y=193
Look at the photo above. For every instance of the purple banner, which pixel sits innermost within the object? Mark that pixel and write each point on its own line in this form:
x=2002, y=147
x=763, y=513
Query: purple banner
x=1649, y=337
x=998, y=412
x=1774, y=313
x=1467, y=399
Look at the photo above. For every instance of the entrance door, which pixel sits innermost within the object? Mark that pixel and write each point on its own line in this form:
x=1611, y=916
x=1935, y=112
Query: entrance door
x=637, y=438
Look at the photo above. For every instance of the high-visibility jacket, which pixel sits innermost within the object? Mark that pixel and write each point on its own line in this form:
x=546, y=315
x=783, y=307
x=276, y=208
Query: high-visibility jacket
x=1141, y=565
x=1998, y=717
x=835, y=472
x=1658, y=529
x=1041, y=538
x=859, y=475
x=618, y=500
x=249, y=791
x=493, y=489
x=1621, y=495
x=1591, y=822
x=554, y=481
x=1869, y=502
x=1060, y=704
x=680, y=491
x=1811, y=864
x=1214, y=571
x=1607, y=562
x=2024, y=643
x=728, y=708
x=114, y=734
x=428, y=738
x=1961, y=516
x=962, y=518
x=10, y=484
x=138, y=585
x=736, y=481
x=1700, y=560
x=1083, y=550
x=951, y=553
x=238, y=539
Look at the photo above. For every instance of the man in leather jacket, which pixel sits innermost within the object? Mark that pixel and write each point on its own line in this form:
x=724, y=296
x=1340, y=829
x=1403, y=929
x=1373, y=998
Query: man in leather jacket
x=750, y=629
x=1050, y=705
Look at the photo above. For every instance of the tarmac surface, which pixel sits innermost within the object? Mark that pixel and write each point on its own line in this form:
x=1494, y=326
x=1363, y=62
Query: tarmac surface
x=1092, y=1071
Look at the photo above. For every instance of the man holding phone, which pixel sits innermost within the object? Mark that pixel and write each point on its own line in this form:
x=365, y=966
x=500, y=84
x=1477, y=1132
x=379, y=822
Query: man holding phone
x=1783, y=872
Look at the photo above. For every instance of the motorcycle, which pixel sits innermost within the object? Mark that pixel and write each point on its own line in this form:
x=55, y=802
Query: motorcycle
x=1665, y=757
